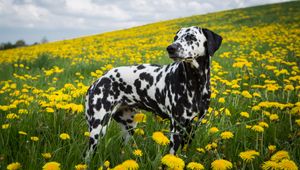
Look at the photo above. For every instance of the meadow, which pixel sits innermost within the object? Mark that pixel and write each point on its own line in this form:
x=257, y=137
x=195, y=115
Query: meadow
x=253, y=121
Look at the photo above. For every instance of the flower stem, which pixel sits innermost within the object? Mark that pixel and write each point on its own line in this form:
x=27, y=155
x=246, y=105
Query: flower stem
x=256, y=147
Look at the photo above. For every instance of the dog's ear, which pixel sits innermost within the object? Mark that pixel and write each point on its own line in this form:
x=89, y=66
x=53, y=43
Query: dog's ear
x=213, y=41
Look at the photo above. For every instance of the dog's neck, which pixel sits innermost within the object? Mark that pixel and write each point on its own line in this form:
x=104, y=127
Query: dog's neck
x=198, y=77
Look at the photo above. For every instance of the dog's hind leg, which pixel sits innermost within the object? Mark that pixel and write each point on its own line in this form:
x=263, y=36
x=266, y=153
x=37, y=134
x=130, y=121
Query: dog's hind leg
x=97, y=127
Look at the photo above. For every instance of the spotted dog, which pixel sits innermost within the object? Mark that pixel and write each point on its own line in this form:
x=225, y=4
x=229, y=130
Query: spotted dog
x=179, y=91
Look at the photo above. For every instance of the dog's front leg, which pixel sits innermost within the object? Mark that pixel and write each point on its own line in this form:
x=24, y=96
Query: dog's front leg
x=175, y=138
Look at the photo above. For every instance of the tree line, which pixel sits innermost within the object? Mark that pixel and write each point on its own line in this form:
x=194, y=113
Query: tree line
x=19, y=43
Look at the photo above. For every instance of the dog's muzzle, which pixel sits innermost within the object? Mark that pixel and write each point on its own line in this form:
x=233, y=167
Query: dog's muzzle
x=173, y=51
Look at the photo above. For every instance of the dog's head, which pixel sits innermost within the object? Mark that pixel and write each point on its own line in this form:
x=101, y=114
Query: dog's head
x=192, y=42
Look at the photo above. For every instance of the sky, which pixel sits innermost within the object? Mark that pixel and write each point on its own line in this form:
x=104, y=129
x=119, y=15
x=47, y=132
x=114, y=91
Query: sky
x=33, y=20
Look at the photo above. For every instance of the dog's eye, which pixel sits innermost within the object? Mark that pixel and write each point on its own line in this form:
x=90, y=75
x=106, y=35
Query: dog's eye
x=175, y=38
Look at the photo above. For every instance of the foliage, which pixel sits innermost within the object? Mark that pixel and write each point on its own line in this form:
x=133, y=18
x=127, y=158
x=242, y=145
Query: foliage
x=253, y=121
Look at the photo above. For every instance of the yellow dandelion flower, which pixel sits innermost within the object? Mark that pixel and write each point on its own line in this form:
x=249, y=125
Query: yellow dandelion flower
x=226, y=135
x=257, y=128
x=298, y=122
x=51, y=166
x=5, y=126
x=139, y=131
x=272, y=148
x=213, y=95
x=81, y=167
x=295, y=110
x=221, y=164
x=246, y=94
x=286, y=164
x=201, y=150
x=34, y=138
x=87, y=134
x=208, y=147
x=49, y=110
x=22, y=133
x=248, y=127
x=195, y=166
x=13, y=166
x=64, y=136
x=270, y=165
x=266, y=113
x=106, y=164
x=244, y=114
x=140, y=117
x=160, y=138
x=256, y=108
x=130, y=165
x=273, y=117
x=138, y=152
x=47, y=155
x=249, y=155
x=213, y=130
x=235, y=86
x=23, y=111
x=263, y=124
x=227, y=112
x=289, y=87
x=118, y=167
x=204, y=121
x=216, y=113
x=13, y=86
x=214, y=145
x=279, y=155
x=173, y=162
x=109, y=66
x=221, y=100
x=262, y=76
x=12, y=116
x=255, y=94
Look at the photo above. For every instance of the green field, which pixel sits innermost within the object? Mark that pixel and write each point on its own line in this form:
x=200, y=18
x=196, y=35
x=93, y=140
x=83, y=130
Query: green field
x=256, y=70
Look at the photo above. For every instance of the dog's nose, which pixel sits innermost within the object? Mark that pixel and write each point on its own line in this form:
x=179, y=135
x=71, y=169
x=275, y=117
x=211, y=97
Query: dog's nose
x=172, y=48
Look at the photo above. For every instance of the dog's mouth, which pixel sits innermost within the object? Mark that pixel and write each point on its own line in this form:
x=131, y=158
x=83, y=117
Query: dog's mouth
x=177, y=58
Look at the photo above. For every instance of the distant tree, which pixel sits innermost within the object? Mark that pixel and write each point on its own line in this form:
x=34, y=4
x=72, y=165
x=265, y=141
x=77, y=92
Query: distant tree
x=44, y=40
x=20, y=43
x=7, y=45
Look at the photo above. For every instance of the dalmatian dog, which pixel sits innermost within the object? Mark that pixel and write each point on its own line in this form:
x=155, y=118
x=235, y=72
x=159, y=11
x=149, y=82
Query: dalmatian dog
x=179, y=91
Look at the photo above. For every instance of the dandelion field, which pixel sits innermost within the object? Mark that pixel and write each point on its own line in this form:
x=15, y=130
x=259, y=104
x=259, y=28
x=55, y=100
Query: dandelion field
x=254, y=116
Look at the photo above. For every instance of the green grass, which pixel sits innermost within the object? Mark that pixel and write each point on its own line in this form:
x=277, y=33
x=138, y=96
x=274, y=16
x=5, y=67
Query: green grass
x=241, y=32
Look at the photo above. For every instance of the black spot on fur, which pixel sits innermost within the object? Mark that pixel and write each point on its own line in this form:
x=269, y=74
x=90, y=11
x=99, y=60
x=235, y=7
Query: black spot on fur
x=98, y=104
x=147, y=77
x=92, y=141
x=105, y=119
x=140, y=67
x=158, y=77
x=129, y=121
x=96, y=123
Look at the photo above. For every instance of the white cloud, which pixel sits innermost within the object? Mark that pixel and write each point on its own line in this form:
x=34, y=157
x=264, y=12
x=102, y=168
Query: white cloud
x=95, y=16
